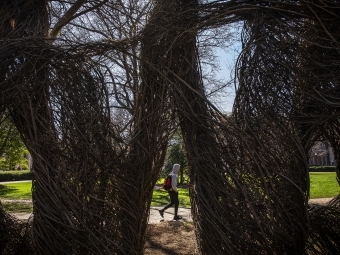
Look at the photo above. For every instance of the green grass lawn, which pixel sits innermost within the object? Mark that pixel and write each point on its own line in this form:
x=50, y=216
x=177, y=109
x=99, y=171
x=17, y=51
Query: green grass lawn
x=161, y=197
x=17, y=207
x=322, y=185
x=16, y=191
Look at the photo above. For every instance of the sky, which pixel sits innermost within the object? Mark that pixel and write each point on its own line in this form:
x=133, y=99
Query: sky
x=227, y=62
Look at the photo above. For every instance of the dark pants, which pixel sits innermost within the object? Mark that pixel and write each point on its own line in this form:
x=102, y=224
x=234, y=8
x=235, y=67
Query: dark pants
x=173, y=201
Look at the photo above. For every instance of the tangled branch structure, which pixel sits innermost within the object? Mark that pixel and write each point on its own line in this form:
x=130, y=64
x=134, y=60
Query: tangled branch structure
x=97, y=101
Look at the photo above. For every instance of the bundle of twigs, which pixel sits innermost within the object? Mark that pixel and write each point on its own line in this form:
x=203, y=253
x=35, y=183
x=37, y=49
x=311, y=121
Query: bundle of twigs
x=97, y=101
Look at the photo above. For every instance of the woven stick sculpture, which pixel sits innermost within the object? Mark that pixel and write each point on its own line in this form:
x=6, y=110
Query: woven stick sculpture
x=97, y=102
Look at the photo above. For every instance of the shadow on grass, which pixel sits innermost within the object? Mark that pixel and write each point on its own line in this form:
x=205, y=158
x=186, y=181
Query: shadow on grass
x=5, y=191
x=17, y=207
x=160, y=199
x=15, y=192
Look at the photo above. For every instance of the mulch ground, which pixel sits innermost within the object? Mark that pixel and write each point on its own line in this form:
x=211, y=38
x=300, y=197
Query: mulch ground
x=170, y=238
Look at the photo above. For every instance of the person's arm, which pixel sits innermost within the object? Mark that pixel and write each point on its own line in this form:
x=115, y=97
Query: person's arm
x=174, y=182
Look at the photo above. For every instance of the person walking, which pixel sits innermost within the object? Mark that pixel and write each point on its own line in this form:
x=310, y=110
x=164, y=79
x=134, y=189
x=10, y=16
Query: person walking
x=173, y=193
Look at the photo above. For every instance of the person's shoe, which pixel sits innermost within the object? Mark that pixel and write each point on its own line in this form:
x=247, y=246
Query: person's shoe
x=161, y=212
x=177, y=217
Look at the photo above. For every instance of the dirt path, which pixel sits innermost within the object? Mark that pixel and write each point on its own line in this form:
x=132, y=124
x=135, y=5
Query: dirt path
x=154, y=217
x=320, y=201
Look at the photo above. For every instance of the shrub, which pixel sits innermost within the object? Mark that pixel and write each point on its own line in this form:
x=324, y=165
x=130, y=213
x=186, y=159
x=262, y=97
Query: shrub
x=322, y=169
x=22, y=175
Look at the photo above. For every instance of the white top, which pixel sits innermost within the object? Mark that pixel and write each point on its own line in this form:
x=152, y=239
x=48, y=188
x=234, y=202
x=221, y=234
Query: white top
x=174, y=174
x=174, y=181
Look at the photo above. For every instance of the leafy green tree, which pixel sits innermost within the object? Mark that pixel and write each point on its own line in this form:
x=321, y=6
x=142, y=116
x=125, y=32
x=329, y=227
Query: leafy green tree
x=176, y=155
x=13, y=152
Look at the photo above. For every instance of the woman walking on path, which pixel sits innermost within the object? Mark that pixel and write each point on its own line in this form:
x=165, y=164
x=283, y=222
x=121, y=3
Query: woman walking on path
x=173, y=193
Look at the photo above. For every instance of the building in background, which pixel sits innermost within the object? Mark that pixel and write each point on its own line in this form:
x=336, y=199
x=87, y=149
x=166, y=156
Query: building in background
x=322, y=154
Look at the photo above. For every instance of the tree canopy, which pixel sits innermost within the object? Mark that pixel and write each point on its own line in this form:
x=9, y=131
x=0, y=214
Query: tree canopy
x=13, y=151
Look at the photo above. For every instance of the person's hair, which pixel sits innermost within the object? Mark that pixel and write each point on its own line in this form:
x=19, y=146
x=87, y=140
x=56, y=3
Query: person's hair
x=175, y=167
